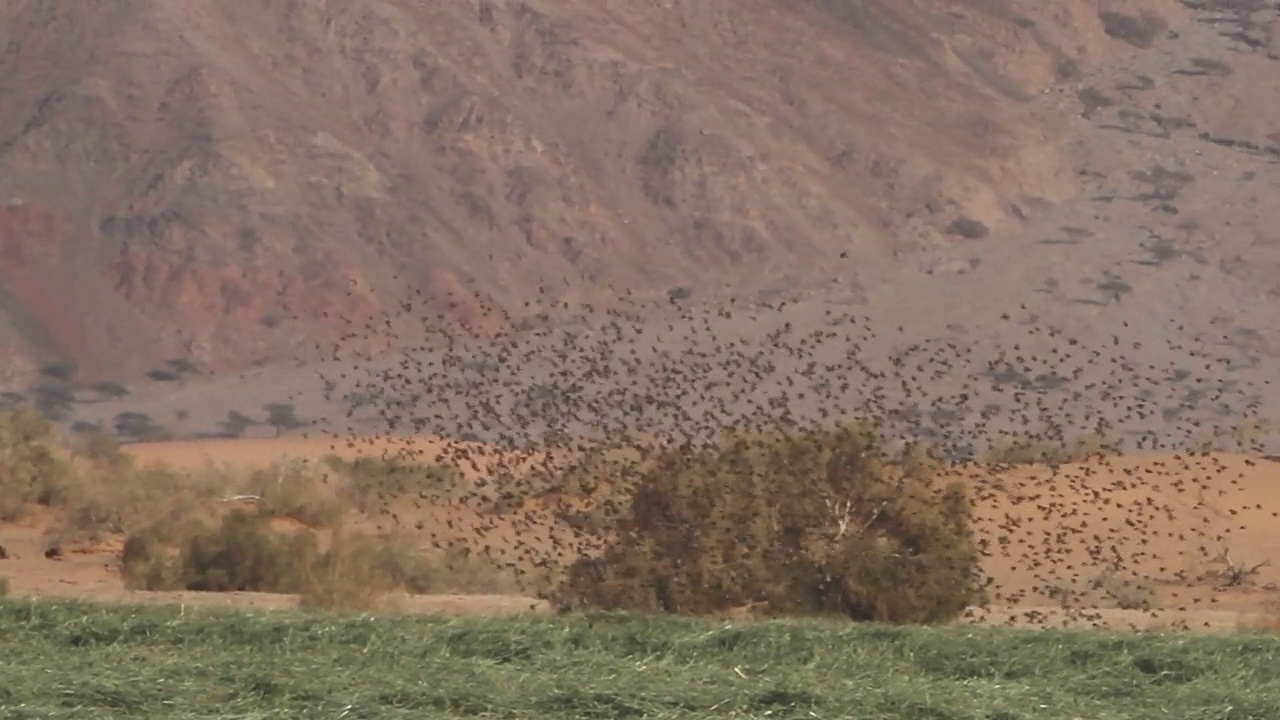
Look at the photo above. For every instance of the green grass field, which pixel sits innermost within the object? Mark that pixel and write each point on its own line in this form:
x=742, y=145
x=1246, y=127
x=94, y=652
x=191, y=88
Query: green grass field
x=66, y=660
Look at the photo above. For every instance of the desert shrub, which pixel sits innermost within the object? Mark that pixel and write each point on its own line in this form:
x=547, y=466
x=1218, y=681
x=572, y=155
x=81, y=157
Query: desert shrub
x=4, y=586
x=1139, y=31
x=53, y=400
x=356, y=572
x=112, y=496
x=139, y=427
x=296, y=490
x=163, y=375
x=282, y=416
x=460, y=569
x=143, y=562
x=1094, y=445
x=92, y=485
x=1026, y=452
x=111, y=389
x=1127, y=592
x=1035, y=451
x=10, y=400
x=243, y=553
x=34, y=469
x=372, y=481
x=99, y=446
x=183, y=366
x=61, y=370
x=812, y=522
x=349, y=570
x=84, y=427
x=603, y=473
x=236, y=423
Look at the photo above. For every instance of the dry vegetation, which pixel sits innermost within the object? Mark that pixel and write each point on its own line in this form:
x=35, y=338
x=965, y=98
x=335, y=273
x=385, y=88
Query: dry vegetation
x=808, y=522
x=1035, y=450
x=805, y=523
x=815, y=522
x=243, y=552
x=294, y=527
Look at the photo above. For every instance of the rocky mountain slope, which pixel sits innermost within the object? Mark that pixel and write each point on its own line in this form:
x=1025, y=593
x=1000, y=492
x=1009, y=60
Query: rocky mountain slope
x=232, y=184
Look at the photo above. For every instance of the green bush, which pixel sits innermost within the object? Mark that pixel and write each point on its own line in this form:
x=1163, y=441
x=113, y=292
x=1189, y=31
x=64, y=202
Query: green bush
x=814, y=522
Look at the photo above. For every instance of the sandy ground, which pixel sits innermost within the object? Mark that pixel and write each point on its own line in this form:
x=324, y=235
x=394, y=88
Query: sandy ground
x=1139, y=541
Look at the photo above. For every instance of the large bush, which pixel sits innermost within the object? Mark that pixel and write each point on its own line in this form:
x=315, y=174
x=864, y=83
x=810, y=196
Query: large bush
x=814, y=522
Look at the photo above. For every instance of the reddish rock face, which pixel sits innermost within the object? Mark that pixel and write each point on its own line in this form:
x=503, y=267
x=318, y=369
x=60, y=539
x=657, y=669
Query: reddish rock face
x=222, y=311
x=251, y=185
x=38, y=293
x=455, y=305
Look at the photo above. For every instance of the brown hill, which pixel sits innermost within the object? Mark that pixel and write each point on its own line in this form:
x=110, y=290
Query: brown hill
x=222, y=182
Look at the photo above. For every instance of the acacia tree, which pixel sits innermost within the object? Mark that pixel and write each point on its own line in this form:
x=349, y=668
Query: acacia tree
x=813, y=522
x=282, y=416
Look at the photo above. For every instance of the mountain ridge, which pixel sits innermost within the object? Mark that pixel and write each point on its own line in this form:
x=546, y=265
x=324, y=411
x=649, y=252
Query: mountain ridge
x=221, y=184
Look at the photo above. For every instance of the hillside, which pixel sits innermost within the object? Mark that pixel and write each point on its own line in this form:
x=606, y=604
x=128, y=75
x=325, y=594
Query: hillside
x=220, y=184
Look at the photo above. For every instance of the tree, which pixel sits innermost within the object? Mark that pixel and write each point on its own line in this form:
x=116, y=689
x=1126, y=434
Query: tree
x=61, y=370
x=236, y=423
x=282, y=416
x=53, y=400
x=813, y=522
x=111, y=389
x=138, y=426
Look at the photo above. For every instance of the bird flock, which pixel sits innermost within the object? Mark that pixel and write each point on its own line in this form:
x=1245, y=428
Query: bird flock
x=1143, y=437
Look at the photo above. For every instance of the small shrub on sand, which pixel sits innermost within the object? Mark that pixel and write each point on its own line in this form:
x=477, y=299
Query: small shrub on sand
x=1127, y=592
x=94, y=488
x=297, y=490
x=179, y=535
x=814, y=522
x=102, y=447
x=115, y=500
x=34, y=469
x=1035, y=451
x=356, y=572
x=371, y=481
x=243, y=553
x=145, y=561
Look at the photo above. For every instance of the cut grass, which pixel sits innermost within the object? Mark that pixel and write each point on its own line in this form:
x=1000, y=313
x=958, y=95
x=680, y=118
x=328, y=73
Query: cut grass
x=65, y=660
